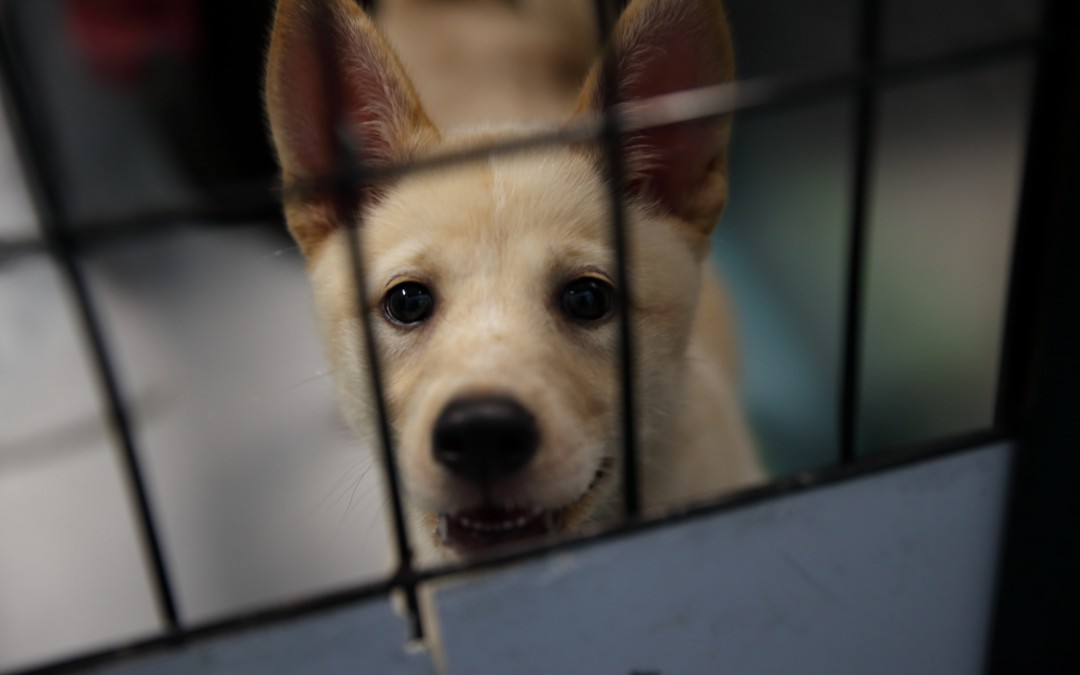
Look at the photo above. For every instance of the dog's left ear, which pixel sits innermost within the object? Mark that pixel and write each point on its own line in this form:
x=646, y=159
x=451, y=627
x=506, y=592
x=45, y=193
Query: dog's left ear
x=660, y=47
x=330, y=70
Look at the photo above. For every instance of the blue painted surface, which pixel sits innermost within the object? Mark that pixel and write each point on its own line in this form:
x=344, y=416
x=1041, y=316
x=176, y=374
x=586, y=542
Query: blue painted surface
x=365, y=638
x=889, y=574
x=892, y=573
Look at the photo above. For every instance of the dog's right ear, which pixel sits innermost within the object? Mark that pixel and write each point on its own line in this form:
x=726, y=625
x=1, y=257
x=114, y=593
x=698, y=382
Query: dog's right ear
x=659, y=47
x=330, y=69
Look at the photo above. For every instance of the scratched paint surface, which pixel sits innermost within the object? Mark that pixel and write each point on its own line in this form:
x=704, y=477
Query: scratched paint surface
x=890, y=574
x=364, y=638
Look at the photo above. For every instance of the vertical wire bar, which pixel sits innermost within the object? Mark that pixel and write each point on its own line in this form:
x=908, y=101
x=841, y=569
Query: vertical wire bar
x=854, y=295
x=349, y=198
x=347, y=194
x=1023, y=316
x=1034, y=611
x=607, y=12
x=615, y=170
x=37, y=154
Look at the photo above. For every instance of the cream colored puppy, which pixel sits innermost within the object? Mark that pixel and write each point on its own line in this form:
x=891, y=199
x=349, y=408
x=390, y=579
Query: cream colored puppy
x=492, y=285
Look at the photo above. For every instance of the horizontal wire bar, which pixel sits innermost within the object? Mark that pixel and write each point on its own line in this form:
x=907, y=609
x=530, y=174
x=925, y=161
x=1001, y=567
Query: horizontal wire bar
x=798, y=483
x=279, y=613
x=680, y=107
x=261, y=200
x=11, y=249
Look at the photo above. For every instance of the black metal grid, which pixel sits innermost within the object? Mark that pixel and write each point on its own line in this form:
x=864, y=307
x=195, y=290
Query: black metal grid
x=64, y=238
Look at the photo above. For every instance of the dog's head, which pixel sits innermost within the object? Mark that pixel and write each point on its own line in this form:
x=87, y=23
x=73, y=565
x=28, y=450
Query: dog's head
x=492, y=285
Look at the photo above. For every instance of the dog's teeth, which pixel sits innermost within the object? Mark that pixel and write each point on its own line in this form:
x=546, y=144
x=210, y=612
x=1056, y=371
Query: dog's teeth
x=508, y=524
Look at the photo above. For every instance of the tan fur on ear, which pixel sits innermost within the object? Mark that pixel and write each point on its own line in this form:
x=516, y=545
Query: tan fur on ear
x=330, y=68
x=660, y=47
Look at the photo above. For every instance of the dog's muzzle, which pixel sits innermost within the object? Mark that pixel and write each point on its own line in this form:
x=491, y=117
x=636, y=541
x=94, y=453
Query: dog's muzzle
x=482, y=441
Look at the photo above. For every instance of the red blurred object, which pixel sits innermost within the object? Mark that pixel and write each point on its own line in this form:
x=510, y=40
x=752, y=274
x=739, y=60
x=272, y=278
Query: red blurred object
x=119, y=38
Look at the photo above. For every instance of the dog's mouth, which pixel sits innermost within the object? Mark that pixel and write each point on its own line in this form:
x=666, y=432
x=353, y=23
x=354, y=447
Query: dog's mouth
x=476, y=530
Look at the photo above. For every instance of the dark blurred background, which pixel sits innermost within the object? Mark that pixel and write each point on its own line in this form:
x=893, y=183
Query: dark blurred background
x=153, y=106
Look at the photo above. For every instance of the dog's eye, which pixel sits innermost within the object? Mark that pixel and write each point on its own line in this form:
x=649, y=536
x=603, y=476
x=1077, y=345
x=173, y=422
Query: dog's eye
x=588, y=299
x=408, y=303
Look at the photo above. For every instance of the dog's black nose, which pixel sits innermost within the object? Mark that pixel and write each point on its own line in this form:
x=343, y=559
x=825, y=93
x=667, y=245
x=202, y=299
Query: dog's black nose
x=484, y=439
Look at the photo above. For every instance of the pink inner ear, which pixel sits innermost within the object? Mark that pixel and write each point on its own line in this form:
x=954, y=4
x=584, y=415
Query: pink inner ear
x=311, y=115
x=330, y=67
x=669, y=47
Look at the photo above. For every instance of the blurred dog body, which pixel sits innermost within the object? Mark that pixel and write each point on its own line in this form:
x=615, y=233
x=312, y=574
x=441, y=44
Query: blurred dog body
x=492, y=285
x=492, y=61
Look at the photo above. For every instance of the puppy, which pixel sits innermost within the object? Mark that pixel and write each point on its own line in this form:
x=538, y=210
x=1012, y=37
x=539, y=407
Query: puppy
x=492, y=286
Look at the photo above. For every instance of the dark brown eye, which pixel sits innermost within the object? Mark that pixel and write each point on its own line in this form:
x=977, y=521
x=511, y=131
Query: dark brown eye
x=409, y=303
x=588, y=299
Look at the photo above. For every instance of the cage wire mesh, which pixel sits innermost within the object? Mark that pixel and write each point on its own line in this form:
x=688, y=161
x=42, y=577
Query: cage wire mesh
x=63, y=239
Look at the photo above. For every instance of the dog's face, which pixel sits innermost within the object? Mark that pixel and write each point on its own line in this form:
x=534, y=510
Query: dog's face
x=493, y=299
x=492, y=285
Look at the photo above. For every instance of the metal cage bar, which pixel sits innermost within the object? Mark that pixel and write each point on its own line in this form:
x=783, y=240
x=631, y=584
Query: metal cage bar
x=865, y=134
x=262, y=201
x=811, y=480
x=347, y=195
x=349, y=202
x=42, y=171
x=1036, y=613
x=614, y=170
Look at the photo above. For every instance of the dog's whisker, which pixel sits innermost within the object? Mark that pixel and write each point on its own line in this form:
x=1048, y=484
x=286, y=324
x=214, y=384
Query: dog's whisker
x=263, y=399
x=280, y=252
x=308, y=380
x=657, y=467
x=369, y=498
x=377, y=512
x=342, y=483
x=352, y=493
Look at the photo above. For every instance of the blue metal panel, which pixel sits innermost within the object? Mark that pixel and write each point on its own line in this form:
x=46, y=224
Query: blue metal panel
x=889, y=574
x=365, y=638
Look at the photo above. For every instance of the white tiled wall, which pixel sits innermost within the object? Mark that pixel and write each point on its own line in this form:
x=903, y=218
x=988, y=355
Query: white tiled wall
x=17, y=217
x=71, y=573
